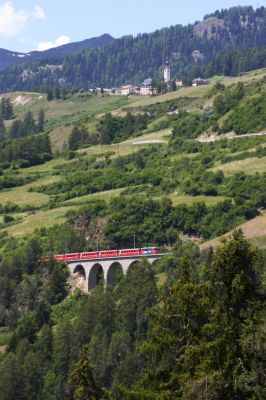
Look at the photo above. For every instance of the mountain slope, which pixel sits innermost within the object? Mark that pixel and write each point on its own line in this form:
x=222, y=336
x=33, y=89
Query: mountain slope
x=10, y=58
x=180, y=171
x=225, y=42
x=68, y=49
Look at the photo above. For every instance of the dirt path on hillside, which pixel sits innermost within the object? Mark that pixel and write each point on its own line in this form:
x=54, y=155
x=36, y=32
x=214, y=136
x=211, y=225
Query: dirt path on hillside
x=205, y=137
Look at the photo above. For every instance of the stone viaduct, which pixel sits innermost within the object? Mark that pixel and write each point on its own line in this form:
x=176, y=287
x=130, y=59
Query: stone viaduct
x=93, y=270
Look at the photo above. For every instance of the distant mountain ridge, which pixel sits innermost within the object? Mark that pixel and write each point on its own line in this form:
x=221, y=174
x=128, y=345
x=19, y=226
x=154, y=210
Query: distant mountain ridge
x=11, y=58
x=226, y=42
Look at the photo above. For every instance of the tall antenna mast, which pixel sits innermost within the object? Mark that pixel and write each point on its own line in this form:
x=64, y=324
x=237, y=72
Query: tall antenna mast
x=165, y=49
x=166, y=66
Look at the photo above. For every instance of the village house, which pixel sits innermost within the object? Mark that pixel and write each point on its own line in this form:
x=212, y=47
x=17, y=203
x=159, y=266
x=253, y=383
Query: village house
x=200, y=81
x=179, y=82
x=146, y=88
x=126, y=90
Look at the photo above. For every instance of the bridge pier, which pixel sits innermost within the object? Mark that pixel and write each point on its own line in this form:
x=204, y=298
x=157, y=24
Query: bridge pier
x=93, y=271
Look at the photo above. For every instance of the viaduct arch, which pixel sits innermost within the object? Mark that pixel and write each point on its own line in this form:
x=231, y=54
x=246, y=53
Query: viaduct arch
x=106, y=271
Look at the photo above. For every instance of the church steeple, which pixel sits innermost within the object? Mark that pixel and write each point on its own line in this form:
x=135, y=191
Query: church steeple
x=167, y=72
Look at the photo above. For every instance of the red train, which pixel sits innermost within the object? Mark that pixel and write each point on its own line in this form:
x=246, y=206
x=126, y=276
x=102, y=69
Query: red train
x=105, y=254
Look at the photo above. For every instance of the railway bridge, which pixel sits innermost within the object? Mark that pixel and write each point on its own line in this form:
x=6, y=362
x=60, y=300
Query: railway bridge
x=93, y=270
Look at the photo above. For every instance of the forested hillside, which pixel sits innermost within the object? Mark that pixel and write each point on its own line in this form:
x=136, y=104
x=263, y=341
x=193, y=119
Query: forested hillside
x=226, y=42
x=199, y=335
x=81, y=171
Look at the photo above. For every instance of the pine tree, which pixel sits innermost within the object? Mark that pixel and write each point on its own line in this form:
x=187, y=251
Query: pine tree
x=2, y=130
x=11, y=379
x=74, y=138
x=8, y=110
x=29, y=124
x=40, y=123
x=50, y=95
x=57, y=93
x=63, y=356
x=82, y=379
x=58, y=286
x=2, y=107
x=16, y=129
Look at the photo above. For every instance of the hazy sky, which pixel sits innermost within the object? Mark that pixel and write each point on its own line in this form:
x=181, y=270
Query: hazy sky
x=39, y=24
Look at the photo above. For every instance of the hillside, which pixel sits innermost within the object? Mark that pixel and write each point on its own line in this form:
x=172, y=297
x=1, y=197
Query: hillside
x=254, y=230
x=133, y=227
x=42, y=195
x=92, y=171
x=227, y=42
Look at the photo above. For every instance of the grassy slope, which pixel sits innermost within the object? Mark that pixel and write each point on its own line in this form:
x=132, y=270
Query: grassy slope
x=249, y=166
x=60, y=113
x=254, y=229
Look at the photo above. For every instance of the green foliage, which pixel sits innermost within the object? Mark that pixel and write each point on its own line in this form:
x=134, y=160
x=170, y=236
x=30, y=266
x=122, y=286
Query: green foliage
x=69, y=307
x=6, y=109
x=27, y=126
x=2, y=130
x=193, y=349
x=159, y=172
x=114, y=129
x=57, y=284
x=159, y=109
x=50, y=95
x=41, y=121
x=228, y=99
x=10, y=180
x=11, y=379
x=209, y=315
x=248, y=116
x=82, y=379
x=189, y=125
x=36, y=150
x=78, y=137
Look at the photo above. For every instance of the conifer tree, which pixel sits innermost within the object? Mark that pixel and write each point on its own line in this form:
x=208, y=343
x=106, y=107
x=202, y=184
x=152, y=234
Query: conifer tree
x=50, y=95
x=194, y=348
x=40, y=123
x=82, y=379
x=57, y=93
x=29, y=124
x=16, y=129
x=2, y=130
x=74, y=139
x=6, y=108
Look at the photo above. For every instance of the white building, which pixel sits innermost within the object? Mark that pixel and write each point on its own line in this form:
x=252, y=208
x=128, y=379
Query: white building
x=145, y=91
x=127, y=89
x=200, y=81
x=167, y=73
x=146, y=88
